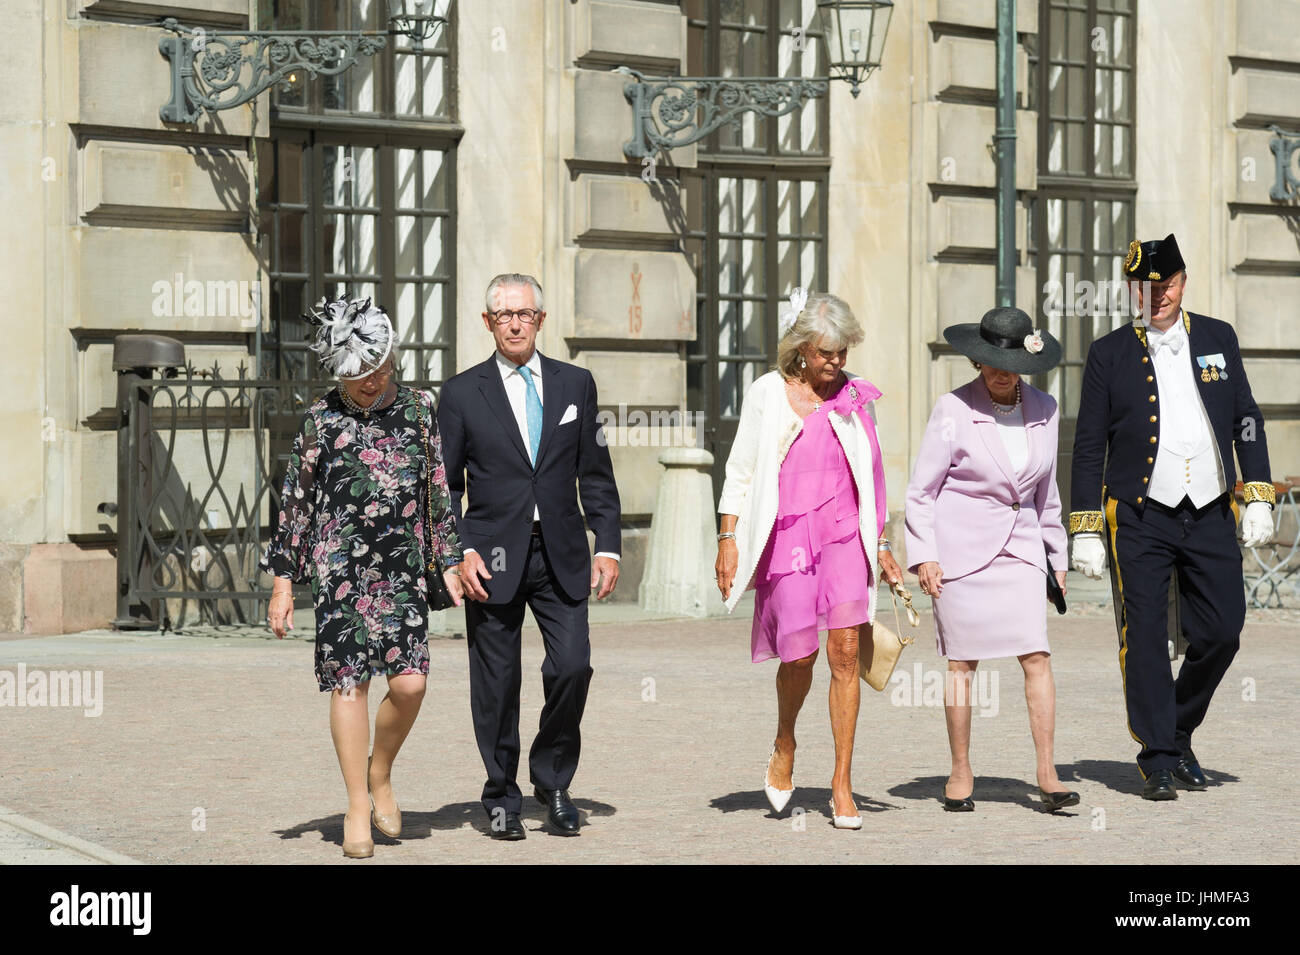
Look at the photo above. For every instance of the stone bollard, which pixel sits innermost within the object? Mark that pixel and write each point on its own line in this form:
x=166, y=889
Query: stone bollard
x=678, y=575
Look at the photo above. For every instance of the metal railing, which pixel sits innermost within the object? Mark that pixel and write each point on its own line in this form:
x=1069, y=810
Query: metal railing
x=201, y=463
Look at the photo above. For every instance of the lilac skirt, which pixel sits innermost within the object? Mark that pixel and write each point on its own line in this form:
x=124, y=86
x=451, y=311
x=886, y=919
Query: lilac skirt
x=999, y=610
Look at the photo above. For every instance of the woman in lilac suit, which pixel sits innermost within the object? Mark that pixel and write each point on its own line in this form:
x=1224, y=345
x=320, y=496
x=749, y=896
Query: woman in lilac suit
x=983, y=519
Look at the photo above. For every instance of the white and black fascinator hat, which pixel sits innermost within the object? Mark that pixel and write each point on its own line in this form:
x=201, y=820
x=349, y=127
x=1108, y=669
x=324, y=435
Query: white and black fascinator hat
x=352, y=338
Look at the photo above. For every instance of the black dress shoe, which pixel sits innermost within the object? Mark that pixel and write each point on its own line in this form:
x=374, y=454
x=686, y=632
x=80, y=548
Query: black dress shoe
x=1055, y=801
x=1188, y=773
x=1160, y=786
x=958, y=805
x=509, y=828
x=561, y=813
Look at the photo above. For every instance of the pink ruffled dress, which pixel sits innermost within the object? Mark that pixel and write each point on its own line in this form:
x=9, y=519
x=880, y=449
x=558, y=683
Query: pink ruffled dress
x=813, y=575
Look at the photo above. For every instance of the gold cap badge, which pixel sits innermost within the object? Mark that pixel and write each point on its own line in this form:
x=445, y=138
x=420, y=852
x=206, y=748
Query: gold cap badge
x=1134, y=256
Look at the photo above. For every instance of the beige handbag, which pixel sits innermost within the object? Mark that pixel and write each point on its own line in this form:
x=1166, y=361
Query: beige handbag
x=877, y=666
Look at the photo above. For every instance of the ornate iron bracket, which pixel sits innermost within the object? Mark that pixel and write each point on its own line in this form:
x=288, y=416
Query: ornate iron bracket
x=227, y=75
x=665, y=108
x=1284, y=145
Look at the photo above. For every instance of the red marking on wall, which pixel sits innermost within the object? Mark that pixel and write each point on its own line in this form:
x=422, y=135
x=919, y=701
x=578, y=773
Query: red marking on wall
x=634, y=310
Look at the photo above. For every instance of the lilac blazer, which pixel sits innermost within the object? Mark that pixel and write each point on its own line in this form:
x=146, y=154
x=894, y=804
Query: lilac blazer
x=965, y=505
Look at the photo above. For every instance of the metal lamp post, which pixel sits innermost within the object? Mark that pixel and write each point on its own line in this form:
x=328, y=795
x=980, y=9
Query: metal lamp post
x=216, y=71
x=673, y=111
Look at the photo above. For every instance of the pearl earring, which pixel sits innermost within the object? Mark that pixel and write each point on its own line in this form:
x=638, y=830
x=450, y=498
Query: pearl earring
x=803, y=363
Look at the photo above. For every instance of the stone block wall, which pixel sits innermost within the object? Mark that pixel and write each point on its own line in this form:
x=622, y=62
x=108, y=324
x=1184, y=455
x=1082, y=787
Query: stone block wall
x=111, y=202
x=633, y=293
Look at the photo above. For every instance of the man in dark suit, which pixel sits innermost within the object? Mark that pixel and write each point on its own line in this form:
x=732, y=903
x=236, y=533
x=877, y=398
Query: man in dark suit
x=1163, y=404
x=524, y=426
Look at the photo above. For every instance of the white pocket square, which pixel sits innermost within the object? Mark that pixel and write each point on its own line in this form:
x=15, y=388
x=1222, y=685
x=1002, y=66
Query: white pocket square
x=570, y=414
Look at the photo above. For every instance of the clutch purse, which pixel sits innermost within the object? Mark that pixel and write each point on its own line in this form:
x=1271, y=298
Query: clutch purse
x=1054, y=593
x=439, y=596
x=876, y=666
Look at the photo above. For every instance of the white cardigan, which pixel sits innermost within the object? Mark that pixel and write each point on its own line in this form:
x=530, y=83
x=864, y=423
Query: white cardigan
x=768, y=426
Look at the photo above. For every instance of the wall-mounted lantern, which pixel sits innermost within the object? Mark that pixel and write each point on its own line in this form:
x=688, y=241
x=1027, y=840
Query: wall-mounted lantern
x=216, y=71
x=673, y=111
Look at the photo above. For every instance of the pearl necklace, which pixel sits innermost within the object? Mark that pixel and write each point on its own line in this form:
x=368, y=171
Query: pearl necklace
x=354, y=407
x=1011, y=409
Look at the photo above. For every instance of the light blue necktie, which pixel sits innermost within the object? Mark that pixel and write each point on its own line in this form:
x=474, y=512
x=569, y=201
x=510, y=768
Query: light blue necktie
x=533, y=412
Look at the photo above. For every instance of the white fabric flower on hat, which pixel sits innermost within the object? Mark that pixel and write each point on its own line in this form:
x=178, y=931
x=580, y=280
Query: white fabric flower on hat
x=350, y=336
x=1034, y=342
x=789, y=312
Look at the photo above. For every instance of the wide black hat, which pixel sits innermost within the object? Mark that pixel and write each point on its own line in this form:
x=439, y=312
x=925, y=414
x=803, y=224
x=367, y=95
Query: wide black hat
x=1005, y=338
x=1154, y=261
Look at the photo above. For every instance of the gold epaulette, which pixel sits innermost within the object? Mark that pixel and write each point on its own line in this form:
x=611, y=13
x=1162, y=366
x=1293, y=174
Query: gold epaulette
x=1259, y=491
x=1087, y=521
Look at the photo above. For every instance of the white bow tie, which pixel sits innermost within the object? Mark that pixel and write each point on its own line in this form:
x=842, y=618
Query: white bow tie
x=1172, y=338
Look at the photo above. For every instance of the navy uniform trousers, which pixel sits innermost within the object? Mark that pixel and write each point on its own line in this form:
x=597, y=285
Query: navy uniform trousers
x=1148, y=550
x=495, y=676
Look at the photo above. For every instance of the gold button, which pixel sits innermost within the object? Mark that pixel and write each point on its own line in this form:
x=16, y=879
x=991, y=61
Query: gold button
x=1153, y=419
x=1151, y=398
x=1144, y=359
x=1153, y=439
x=1149, y=378
x=1151, y=460
x=1144, y=480
x=1139, y=500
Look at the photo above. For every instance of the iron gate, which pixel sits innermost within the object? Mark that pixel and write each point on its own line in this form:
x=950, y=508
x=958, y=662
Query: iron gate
x=201, y=462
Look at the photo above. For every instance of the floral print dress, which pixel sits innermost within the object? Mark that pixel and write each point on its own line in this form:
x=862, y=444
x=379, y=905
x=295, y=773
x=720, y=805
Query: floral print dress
x=352, y=522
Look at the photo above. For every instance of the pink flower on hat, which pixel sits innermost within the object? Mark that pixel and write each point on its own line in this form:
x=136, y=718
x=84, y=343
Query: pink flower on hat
x=1034, y=342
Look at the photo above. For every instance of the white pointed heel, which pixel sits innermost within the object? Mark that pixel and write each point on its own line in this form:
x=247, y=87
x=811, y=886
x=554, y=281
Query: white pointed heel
x=778, y=798
x=844, y=822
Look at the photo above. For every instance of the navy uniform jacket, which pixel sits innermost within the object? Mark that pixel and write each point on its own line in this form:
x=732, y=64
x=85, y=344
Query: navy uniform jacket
x=480, y=436
x=1117, y=432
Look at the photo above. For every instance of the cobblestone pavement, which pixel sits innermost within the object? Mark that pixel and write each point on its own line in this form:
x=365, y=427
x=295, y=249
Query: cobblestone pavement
x=214, y=747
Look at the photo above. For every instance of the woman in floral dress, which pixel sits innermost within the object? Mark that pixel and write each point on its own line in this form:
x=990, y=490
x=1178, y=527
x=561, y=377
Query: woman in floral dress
x=353, y=524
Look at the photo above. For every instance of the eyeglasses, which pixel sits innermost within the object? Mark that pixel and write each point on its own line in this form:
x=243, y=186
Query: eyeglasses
x=379, y=374
x=527, y=316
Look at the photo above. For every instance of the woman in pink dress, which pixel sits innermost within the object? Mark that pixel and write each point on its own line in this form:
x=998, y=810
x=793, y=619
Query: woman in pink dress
x=802, y=514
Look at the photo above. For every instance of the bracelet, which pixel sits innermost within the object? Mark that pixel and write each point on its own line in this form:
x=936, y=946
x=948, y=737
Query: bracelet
x=883, y=544
x=726, y=535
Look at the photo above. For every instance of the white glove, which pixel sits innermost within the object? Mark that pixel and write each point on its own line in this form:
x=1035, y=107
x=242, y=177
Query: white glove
x=1256, y=524
x=1088, y=554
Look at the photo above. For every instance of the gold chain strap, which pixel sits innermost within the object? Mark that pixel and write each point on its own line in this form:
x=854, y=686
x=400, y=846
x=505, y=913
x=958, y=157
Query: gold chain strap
x=428, y=500
x=900, y=590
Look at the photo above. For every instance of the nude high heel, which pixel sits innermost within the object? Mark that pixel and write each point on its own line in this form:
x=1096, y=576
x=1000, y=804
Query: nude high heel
x=390, y=826
x=362, y=849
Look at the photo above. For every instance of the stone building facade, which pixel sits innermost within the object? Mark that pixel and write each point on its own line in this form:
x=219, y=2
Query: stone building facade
x=416, y=177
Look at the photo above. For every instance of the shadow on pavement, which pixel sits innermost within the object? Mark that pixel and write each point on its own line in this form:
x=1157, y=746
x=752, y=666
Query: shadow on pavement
x=1018, y=792
x=1123, y=777
x=456, y=815
x=811, y=798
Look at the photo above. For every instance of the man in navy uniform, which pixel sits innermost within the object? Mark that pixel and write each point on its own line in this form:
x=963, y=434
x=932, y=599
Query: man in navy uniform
x=1163, y=403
